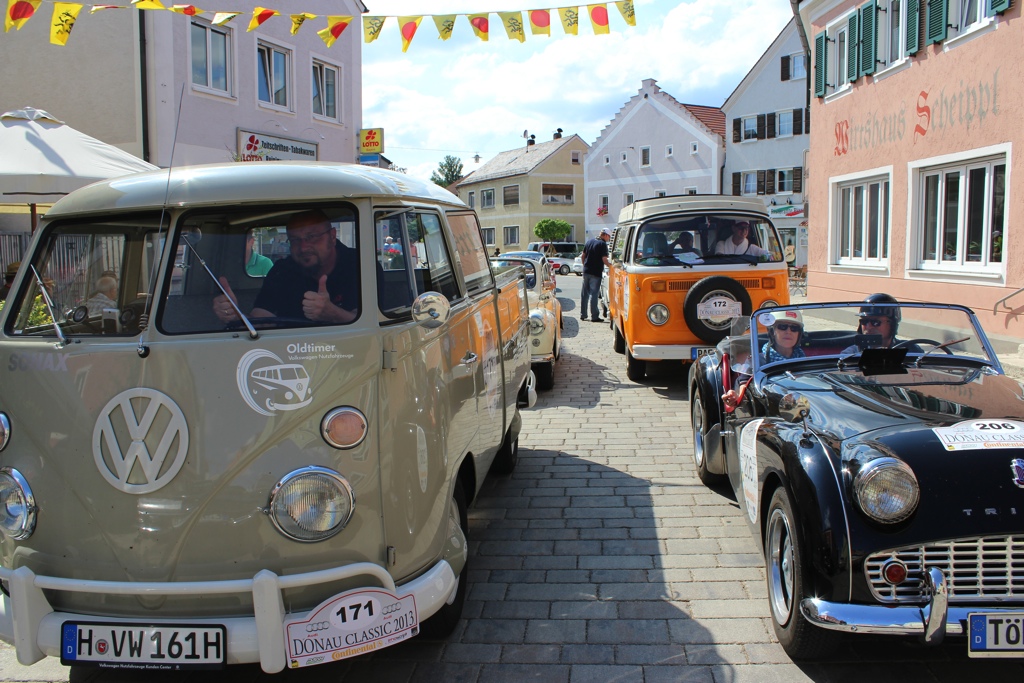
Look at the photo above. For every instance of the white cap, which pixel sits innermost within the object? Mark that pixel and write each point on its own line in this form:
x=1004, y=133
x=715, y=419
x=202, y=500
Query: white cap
x=606, y=231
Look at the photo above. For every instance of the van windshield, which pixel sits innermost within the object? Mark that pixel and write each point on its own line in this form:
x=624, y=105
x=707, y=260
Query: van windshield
x=704, y=239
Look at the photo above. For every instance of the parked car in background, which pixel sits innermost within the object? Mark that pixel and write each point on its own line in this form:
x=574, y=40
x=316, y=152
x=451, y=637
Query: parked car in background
x=538, y=257
x=882, y=476
x=577, y=265
x=561, y=254
x=675, y=281
x=545, y=316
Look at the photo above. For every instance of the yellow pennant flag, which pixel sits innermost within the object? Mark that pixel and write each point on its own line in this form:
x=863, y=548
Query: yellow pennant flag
x=221, y=18
x=481, y=27
x=64, y=16
x=299, y=19
x=148, y=4
x=372, y=27
x=96, y=8
x=513, y=22
x=18, y=12
x=445, y=25
x=335, y=26
x=260, y=15
x=540, y=22
x=626, y=10
x=408, y=27
x=570, y=17
x=189, y=10
x=598, y=18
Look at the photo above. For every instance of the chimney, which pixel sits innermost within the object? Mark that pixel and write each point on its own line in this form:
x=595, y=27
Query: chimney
x=531, y=140
x=558, y=134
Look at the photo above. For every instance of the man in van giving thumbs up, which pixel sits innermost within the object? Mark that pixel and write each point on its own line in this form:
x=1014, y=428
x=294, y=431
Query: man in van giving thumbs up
x=318, y=281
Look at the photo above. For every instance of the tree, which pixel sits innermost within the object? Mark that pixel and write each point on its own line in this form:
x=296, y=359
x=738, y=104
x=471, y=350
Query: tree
x=551, y=229
x=448, y=171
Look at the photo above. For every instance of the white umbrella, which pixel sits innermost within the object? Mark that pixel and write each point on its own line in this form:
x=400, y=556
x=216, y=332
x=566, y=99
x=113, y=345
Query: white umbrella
x=44, y=159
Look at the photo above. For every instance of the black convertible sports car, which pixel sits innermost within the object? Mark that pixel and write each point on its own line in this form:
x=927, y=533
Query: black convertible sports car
x=877, y=450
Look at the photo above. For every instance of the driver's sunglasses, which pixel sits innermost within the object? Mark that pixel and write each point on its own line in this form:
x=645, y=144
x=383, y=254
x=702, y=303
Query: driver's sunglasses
x=299, y=241
x=871, y=322
x=788, y=327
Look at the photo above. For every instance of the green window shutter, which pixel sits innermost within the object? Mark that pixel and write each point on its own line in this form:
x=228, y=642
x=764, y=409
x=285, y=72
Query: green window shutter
x=820, y=64
x=998, y=6
x=913, y=26
x=737, y=136
x=868, y=38
x=938, y=11
x=852, y=41
x=798, y=180
x=736, y=184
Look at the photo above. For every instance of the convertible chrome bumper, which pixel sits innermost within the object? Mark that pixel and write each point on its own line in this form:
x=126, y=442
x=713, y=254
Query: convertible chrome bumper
x=932, y=621
x=29, y=622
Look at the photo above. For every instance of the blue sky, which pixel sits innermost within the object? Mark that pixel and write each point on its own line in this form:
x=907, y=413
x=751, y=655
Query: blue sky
x=465, y=97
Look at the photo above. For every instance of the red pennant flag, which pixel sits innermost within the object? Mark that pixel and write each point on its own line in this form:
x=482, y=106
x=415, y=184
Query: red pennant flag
x=18, y=12
x=540, y=22
x=481, y=27
x=408, y=26
x=598, y=18
x=260, y=15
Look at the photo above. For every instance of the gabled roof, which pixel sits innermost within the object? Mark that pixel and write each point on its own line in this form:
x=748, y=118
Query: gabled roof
x=710, y=119
x=520, y=161
x=766, y=57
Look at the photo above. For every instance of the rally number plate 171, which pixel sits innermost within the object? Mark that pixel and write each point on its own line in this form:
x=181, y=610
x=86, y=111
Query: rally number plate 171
x=162, y=647
x=996, y=634
x=351, y=624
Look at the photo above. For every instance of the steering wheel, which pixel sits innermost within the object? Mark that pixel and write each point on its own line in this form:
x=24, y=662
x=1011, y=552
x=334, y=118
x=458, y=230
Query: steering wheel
x=934, y=343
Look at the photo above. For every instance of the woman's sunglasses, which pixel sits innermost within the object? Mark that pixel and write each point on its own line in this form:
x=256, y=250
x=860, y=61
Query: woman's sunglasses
x=787, y=327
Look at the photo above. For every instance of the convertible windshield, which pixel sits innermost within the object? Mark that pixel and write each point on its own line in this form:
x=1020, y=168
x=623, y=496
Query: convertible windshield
x=874, y=337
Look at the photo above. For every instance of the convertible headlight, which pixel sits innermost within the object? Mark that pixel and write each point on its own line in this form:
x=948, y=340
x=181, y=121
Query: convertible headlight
x=536, y=322
x=311, y=504
x=886, y=490
x=17, y=505
x=658, y=314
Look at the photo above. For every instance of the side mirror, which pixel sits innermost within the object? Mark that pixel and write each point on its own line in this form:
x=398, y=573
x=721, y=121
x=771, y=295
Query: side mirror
x=431, y=309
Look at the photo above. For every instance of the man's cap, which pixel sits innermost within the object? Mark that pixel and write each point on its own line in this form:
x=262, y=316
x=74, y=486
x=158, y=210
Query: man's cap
x=606, y=231
x=12, y=269
x=741, y=224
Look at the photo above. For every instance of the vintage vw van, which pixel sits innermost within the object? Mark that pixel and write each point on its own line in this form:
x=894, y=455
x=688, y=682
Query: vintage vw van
x=682, y=268
x=210, y=456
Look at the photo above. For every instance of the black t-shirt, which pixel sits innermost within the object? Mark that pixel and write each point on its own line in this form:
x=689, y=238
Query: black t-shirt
x=594, y=252
x=287, y=282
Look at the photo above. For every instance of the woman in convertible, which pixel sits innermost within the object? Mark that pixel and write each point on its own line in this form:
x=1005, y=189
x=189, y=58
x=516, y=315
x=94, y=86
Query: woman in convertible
x=784, y=336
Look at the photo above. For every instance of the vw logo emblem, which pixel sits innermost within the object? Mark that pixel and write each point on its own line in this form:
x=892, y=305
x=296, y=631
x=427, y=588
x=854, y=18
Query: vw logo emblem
x=140, y=441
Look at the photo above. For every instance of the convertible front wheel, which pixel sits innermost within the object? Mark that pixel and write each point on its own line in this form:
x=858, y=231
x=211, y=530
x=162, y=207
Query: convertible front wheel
x=785, y=566
x=701, y=427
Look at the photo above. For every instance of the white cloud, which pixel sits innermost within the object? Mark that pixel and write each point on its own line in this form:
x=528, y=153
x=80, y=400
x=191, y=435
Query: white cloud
x=465, y=96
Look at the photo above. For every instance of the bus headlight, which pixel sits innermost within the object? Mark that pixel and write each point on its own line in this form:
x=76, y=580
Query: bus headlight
x=17, y=505
x=658, y=314
x=311, y=504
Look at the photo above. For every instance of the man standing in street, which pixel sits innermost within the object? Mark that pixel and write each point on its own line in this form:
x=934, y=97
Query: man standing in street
x=595, y=258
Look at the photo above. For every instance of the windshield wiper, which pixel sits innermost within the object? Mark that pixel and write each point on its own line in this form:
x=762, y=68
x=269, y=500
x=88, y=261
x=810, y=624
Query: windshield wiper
x=253, y=334
x=63, y=341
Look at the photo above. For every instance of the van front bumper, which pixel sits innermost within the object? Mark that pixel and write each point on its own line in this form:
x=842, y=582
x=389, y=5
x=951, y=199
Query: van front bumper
x=670, y=351
x=29, y=622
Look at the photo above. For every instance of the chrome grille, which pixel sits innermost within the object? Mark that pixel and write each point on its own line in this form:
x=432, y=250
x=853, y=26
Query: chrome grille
x=976, y=569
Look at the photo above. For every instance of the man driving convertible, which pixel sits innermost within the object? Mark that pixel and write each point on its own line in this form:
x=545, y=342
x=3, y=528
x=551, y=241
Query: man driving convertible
x=880, y=315
x=318, y=281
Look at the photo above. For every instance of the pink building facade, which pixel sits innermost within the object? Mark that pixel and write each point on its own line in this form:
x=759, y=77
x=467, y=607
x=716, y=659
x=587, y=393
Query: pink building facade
x=914, y=187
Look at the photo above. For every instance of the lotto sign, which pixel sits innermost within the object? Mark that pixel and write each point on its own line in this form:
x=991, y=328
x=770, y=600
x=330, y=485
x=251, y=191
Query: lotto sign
x=371, y=140
x=981, y=434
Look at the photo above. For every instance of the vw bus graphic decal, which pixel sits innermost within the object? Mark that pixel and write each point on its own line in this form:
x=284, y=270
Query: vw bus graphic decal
x=268, y=385
x=140, y=441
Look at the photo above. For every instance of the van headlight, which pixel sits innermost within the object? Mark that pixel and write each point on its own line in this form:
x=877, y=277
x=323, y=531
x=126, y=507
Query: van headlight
x=311, y=504
x=17, y=505
x=886, y=490
x=5, y=430
x=658, y=314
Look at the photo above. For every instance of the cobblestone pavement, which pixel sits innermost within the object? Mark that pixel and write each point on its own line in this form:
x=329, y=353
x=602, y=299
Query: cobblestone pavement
x=603, y=558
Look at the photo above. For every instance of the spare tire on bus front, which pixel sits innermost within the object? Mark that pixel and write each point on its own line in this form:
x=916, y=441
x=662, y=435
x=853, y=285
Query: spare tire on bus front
x=705, y=290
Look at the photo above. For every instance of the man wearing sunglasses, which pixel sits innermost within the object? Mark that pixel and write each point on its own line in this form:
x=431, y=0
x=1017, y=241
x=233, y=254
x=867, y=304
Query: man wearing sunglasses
x=880, y=315
x=319, y=280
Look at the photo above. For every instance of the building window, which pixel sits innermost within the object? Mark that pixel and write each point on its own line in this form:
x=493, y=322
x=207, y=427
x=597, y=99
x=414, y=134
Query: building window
x=694, y=148
x=576, y=157
x=784, y=123
x=274, y=65
x=689, y=190
x=749, y=183
x=325, y=90
x=838, y=75
x=210, y=55
x=660, y=193
x=797, y=66
x=622, y=159
x=784, y=181
x=510, y=195
x=627, y=198
x=962, y=215
x=511, y=234
x=668, y=150
x=863, y=221
x=750, y=128
x=488, y=236
x=645, y=157
x=472, y=200
x=602, y=205
x=607, y=159
x=486, y=199
x=894, y=45
x=556, y=194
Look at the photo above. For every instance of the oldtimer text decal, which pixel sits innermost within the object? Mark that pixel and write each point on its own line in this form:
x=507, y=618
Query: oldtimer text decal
x=980, y=434
x=748, y=466
x=140, y=441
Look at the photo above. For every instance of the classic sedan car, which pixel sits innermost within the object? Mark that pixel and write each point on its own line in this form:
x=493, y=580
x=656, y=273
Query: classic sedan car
x=545, y=316
x=877, y=452
x=539, y=258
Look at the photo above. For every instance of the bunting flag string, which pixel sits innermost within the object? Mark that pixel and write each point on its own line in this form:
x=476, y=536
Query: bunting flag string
x=65, y=14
